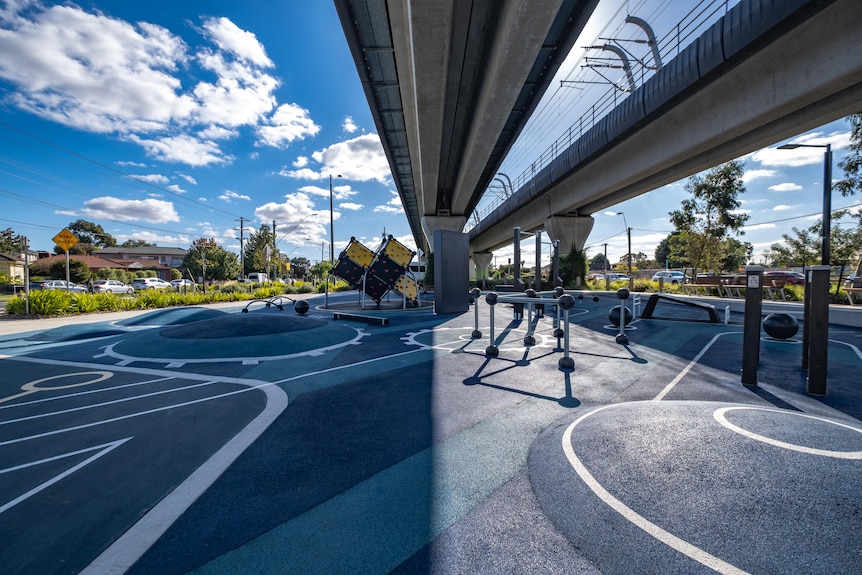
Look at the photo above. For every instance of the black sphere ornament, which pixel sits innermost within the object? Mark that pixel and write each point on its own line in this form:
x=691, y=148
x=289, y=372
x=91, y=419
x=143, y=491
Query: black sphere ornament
x=614, y=315
x=623, y=293
x=567, y=302
x=491, y=298
x=780, y=325
x=301, y=307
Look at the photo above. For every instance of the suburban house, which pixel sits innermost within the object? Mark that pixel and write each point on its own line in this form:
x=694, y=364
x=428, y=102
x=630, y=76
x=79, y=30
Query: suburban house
x=158, y=260
x=12, y=266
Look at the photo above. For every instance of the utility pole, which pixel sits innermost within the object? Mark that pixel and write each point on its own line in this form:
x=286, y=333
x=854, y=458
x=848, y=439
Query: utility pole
x=241, y=247
x=274, y=253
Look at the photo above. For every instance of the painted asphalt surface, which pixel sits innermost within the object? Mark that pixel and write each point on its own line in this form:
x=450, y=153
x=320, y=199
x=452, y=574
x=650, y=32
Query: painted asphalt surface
x=207, y=440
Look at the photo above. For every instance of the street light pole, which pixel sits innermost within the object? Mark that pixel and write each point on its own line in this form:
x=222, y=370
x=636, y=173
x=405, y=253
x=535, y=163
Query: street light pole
x=331, y=227
x=826, y=227
x=629, y=257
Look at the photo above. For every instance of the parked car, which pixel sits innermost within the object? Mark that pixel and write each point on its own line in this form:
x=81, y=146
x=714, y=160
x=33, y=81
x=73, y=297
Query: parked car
x=150, y=283
x=618, y=277
x=56, y=285
x=670, y=276
x=111, y=286
x=183, y=284
x=791, y=278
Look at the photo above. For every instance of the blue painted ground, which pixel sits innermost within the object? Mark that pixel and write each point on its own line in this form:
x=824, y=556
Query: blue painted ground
x=272, y=442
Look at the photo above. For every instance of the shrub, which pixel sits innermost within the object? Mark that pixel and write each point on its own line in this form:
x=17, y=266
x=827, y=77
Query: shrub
x=49, y=302
x=84, y=303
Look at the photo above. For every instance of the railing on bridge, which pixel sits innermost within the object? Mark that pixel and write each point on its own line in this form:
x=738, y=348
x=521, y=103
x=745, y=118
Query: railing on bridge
x=693, y=24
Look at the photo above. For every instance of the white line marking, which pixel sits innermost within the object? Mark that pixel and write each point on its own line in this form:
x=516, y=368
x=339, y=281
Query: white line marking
x=127, y=359
x=719, y=416
x=101, y=390
x=125, y=551
x=104, y=449
x=104, y=403
x=850, y=345
x=690, y=365
x=672, y=541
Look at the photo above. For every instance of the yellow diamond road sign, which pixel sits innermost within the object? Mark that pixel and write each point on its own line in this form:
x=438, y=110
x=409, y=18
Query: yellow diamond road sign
x=65, y=239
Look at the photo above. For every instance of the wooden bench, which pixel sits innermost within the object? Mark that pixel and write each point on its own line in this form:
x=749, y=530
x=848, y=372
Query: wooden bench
x=709, y=285
x=733, y=286
x=853, y=292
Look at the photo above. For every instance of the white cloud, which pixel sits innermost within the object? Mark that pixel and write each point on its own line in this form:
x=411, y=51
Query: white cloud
x=349, y=125
x=350, y=206
x=152, y=178
x=393, y=206
x=300, y=162
x=242, y=44
x=802, y=156
x=361, y=159
x=228, y=195
x=782, y=208
x=298, y=222
x=116, y=209
x=101, y=74
x=176, y=189
x=184, y=149
x=289, y=122
x=756, y=227
x=785, y=187
x=750, y=175
x=338, y=192
x=188, y=178
x=156, y=238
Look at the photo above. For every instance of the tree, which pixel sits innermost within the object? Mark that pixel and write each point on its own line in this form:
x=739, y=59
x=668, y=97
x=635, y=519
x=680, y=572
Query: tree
x=803, y=249
x=91, y=237
x=664, y=256
x=852, y=163
x=320, y=270
x=137, y=244
x=599, y=260
x=10, y=242
x=736, y=254
x=79, y=272
x=255, y=250
x=573, y=265
x=299, y=267
x=220, y=263
x=705, y=219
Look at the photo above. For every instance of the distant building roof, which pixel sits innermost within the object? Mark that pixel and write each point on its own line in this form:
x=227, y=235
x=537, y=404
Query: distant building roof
x=93, y=262
x=144, y=250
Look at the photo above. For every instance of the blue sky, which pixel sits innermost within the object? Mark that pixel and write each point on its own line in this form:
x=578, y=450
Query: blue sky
x=170, y=121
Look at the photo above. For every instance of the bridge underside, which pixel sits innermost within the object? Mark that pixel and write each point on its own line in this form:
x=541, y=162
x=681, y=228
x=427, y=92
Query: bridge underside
x=450, y=84
x=804, y=78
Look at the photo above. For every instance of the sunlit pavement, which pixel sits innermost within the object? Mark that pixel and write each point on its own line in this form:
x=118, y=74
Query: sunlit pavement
x=209, y=440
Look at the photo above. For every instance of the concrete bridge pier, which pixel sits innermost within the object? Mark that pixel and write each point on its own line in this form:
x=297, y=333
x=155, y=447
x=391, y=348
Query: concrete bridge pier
x=482, y=260
x=570, y=231
x=451, y=250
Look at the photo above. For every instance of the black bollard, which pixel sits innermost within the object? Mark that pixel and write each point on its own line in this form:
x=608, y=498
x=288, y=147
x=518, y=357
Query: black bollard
x=476, y=292
x=622, y=338
x=492, y=350
x=567, y=302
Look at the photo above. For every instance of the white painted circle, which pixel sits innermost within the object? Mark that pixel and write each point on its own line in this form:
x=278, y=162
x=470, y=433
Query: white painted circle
x=720, y=417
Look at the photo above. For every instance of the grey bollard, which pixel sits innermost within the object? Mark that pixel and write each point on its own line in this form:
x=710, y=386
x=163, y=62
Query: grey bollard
x=530, y=339
x=622, y=338
x=567, y=302
x=476, y=292
x=492, y=350
x=558, y=331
